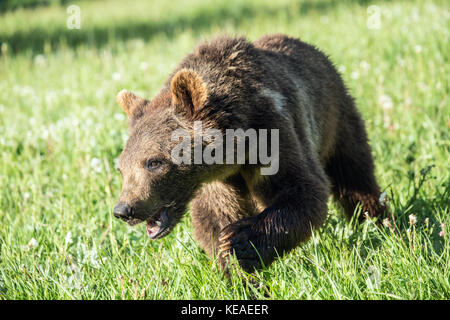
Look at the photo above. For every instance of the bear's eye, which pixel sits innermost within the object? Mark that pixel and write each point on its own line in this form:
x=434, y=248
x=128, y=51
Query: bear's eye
x=153, y=164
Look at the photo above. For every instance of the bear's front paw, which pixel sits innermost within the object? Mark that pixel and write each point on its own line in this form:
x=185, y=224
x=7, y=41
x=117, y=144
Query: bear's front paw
x=239, y=238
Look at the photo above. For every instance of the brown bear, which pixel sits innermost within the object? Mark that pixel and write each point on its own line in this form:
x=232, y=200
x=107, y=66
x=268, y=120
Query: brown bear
x=276, y=82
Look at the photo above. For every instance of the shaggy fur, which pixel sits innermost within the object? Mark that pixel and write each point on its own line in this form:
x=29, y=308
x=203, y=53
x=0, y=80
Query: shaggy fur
x=276, y=82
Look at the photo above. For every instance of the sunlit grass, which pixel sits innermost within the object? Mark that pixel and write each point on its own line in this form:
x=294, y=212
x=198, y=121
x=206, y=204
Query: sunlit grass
x=61, y=133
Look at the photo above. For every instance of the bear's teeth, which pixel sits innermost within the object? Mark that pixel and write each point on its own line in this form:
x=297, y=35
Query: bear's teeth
x=158, y=223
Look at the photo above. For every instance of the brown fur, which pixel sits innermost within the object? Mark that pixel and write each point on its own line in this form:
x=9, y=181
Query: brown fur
x=189, y=91
x=276, y=82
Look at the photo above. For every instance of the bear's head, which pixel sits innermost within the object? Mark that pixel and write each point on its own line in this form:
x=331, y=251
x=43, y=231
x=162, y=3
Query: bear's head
x=156, y=188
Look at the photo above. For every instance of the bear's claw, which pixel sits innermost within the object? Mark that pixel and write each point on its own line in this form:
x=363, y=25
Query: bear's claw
x=237, y=238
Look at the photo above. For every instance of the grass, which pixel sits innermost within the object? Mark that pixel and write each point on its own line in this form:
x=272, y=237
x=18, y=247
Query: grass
x=61, y=133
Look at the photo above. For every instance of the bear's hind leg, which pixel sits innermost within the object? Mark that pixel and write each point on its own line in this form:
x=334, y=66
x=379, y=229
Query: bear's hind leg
x=352, y=171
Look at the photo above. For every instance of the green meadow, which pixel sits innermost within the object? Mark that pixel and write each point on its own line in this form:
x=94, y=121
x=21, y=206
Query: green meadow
x=61, y=133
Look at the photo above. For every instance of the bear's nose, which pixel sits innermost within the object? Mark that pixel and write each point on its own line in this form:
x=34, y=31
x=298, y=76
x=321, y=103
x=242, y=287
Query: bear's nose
x=123, y=211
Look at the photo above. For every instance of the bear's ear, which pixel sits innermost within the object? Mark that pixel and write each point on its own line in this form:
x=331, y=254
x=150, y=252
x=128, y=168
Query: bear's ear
x=131, y=104
x=189, y=91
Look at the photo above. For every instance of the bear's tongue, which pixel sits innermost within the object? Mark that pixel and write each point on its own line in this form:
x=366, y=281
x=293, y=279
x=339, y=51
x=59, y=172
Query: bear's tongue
x=154, y=228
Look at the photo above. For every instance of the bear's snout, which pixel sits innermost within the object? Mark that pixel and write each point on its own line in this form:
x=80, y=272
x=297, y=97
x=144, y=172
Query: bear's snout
x=123, y=211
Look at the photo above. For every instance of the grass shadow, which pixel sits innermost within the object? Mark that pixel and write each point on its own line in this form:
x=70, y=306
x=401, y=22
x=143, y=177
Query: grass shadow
x=204, y=18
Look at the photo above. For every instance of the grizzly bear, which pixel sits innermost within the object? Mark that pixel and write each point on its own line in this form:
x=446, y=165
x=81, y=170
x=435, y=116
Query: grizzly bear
x=276, y=82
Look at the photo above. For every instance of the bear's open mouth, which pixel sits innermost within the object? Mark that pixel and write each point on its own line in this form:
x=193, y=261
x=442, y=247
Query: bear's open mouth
x=156, y=226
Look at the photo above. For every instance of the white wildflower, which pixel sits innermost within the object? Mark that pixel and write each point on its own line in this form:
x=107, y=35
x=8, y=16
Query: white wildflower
x=143, y=66
x=33, y=243
x=355, y=75
x=88, y=256
x=116, y=76
x=385, y=102
x=39, y=60
x=412, y=219
x=45, y=134
x=119, y=116
x=68, y=239
x=75, y=122
x=96, y=165
x=365, y=66
x=30, y=135
x=442, y=232
x=387, y=223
